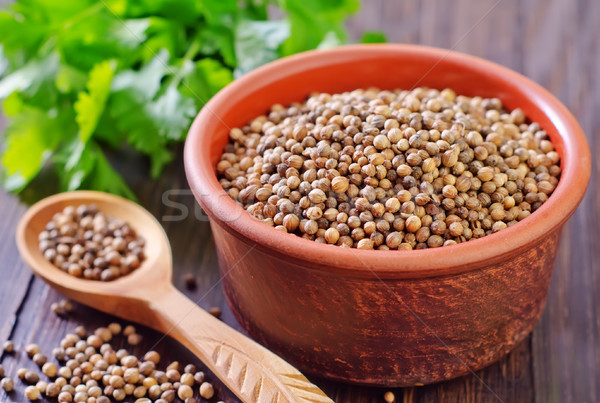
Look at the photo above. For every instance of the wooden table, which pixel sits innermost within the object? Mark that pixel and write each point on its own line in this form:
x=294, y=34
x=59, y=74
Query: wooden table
x=554, y=42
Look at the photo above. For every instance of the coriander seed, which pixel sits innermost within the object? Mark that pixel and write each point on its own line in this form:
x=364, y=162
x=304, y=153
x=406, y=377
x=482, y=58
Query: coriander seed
x=7, y=384
x=190, y=281
x=8, y=347
x=32, y=349
x=389, y=397
x=50, y=369
x=39, y=359
x=65, y=397
x=134, y=339
x=115, y=328
x=32, y=393
x=206, y=390
x=41, y=386
x=52, y=390
x=129, y=329
x=31, y=377
x=215, y=311
x=184, y=392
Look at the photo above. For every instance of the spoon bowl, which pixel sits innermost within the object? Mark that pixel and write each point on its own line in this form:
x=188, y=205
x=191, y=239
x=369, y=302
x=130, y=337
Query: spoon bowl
x=147, y=296
x=155, y=271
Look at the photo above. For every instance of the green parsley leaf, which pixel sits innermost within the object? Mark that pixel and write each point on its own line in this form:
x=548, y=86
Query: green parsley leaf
x=90, y=105
x=104, y=177
x=82, y=78
x=205, y=79
x=30, y=142
x=312, y=20
x=30, y=77
x=172, y=113
x=258, y=42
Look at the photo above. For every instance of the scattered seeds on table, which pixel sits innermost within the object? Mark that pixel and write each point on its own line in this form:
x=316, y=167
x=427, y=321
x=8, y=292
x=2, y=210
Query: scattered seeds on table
x=95, y=373
x=375, y=169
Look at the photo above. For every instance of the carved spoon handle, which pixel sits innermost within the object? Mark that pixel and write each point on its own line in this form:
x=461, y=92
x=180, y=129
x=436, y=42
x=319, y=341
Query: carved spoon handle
x=251, y=371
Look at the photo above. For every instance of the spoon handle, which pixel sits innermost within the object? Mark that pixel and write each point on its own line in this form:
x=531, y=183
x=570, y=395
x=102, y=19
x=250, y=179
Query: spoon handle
x=251, y=371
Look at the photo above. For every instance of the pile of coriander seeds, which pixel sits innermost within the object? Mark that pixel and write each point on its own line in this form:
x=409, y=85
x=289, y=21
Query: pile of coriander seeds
x=88, y=369
x=399, y=169
x=87, y=243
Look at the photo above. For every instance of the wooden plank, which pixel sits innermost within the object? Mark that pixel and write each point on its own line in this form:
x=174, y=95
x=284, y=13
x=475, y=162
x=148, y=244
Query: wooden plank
x=565, y=59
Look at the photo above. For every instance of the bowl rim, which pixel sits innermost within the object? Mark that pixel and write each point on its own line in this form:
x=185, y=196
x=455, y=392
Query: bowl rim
x=467, y=256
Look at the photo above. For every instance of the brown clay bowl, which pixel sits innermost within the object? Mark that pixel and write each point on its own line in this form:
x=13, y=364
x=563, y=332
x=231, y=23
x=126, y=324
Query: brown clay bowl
x=391, y=318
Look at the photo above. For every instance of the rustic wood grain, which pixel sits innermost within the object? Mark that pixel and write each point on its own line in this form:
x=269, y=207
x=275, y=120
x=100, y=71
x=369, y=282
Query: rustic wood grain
x=554, y=42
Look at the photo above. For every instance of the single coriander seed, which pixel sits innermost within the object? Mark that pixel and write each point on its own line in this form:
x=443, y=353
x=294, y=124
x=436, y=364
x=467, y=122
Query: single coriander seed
x=7, y=384
x=8, y=347
x=206, y=390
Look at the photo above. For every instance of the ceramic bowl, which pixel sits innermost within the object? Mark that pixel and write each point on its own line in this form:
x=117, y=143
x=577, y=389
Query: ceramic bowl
x=393, y=318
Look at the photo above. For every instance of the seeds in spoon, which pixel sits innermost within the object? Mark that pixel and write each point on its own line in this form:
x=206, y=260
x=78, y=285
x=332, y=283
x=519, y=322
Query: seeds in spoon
x=86, y=243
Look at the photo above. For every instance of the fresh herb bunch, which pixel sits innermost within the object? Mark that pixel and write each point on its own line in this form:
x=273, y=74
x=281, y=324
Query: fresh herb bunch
x=83, y=76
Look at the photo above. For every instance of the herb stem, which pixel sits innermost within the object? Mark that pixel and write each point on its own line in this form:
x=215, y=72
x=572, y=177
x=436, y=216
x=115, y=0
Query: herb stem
x=189, y=55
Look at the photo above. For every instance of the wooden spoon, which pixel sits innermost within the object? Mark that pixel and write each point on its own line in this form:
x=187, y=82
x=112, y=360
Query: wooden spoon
x=147, y=296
